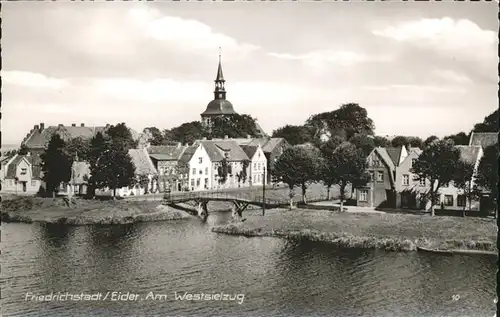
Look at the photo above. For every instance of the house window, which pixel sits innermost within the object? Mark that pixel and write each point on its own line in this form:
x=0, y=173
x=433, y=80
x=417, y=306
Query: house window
x=376, y=162
x=255, y=166
x=372, y=176
x=194, y=171
x=23, y=171
x=461, y=201
x=198, y=182
x=200, y=160
x=413, y=162
x=363, y=195
x=406, y=180
x=33, y=183
x=380, y=176
x=192, y=183
x=206, y=170
x=422, y=181
x=448, y=200
x=201, y=171
x=162, y=171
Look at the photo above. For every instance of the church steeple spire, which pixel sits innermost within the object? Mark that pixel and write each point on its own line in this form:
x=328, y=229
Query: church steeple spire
x=219, y=92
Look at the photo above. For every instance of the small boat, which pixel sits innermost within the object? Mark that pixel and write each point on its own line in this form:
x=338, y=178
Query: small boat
x=446, y=252
x=471, y=252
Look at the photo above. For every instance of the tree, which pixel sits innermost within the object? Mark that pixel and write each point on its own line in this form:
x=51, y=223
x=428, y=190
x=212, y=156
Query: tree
x=294, y=134
x=155, y=137
x=115, y=169
x=462, y=180
x=429, y=140
x=414, y=141
x=458, y=139
x=489, y=124
x=363, y=142
x=98, y=146
x=23, y=150
x=187, y=132
x=224, y=170
x=345, y=165
x=77, y=147
x=346, y=121
x=121, y=137
x=56, y=166
x=487, y=174
x=438, y=164
x=297, y=166
x=380, y=141
x=234, y=126
x=242, y=175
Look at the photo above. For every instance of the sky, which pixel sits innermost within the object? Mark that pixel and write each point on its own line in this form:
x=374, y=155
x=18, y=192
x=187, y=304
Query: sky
x=418, y=68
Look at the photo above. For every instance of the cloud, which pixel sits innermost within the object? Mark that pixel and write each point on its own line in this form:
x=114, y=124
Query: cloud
x=405, y=88
x=33, y=80
x=458, y=37
x=185, y=34
x=452, y=76
x=322, y=58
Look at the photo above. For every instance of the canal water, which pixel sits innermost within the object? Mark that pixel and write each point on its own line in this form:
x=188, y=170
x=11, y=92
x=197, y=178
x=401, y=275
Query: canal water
x=276, y=277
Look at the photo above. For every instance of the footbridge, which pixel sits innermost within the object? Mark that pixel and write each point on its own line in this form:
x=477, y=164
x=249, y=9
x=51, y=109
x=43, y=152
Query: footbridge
x=241, y=201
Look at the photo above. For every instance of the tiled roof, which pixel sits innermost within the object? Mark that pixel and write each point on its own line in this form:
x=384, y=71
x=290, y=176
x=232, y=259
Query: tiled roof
x=249, y=150
x=34, y=161
x=142, y=162
x=483, y=139
x=188, y=153
x=385, y=157
x=468, y=153
x=394, y=153
x=81, y=172
x=216, y=150
x=39, y=139
x=267, y=144
x=167, y=152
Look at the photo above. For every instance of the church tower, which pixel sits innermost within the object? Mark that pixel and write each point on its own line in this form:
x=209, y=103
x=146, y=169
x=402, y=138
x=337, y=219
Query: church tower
x=219, y=106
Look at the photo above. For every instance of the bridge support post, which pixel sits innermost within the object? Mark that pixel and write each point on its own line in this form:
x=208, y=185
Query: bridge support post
x=240, y=207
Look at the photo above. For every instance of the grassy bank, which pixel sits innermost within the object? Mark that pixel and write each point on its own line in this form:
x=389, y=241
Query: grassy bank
x=390, y=232
x=84, y=212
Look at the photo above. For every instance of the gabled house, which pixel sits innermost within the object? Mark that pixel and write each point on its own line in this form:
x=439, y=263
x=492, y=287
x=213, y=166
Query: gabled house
x=272, y=147
x=228, y=151
x=184, y=169
x=199, y=167
x=256, y=171
x=483, y=139
x=166, y=160
x=409, y=186
x=453, y=198
x=381, y=189
x=22, y=175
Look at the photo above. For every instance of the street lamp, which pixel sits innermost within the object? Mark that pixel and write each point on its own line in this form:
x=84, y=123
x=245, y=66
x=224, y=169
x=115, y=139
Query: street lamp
x=264, y=191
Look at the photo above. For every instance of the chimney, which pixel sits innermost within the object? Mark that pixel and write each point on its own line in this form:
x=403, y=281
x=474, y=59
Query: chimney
x=249, y=136
x=226, y=137
x=42, y=126
x=28, y=154
x=36, y=127
x=82, y=125
x=73, y=124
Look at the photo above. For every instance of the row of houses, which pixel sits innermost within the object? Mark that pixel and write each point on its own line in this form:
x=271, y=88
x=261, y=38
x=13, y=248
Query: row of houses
x=248, y=162
x=393, y=185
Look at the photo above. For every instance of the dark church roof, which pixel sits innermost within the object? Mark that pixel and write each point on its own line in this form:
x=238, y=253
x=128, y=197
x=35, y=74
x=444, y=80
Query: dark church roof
x=218, y=107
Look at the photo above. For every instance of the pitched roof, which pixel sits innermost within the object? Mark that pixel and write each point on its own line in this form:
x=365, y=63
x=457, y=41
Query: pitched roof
x=469, y=154
x=81, y=173
x=142, y=162
x=394, y=153
x=483, y=139
x=34, y=162
x=267, y=144
x=40, y=139
x=216, y=150
x=188, y=153
x=382, y=151
x=167, y=152
x=249, y=150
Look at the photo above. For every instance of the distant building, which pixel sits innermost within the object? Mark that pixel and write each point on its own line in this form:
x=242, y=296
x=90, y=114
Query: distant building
x=219, y=106
x=166, y=160
x=257, y=167
x=21, y=175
